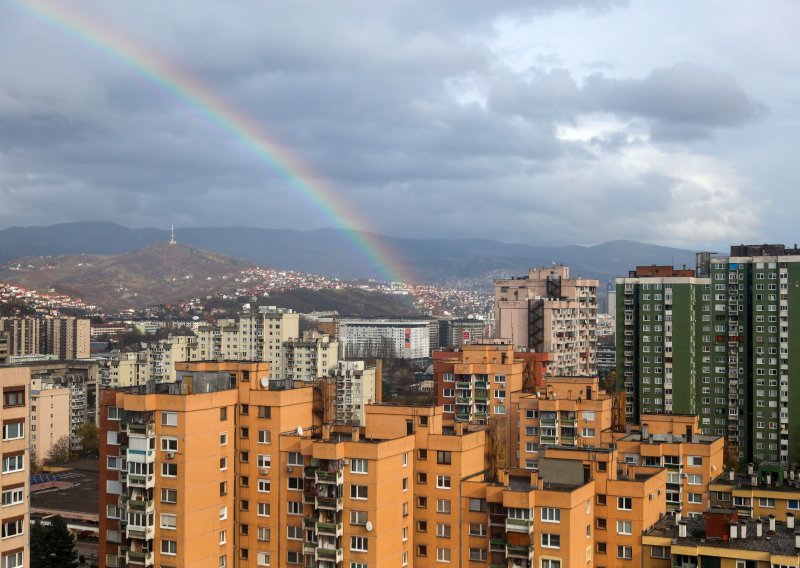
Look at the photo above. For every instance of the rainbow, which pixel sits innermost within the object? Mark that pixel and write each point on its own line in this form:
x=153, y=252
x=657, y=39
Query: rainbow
x=202, y=98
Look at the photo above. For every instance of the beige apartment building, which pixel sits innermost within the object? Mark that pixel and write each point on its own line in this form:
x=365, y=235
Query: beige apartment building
x=64, y=337
x=24, y=335
x=549, y=312
x=310, y=357
x=5, y=347
x=50, y=419
x=356, y=387
x=227, y=467
x=14, y=484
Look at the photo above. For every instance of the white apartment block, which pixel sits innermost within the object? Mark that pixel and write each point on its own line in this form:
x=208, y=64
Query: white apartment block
x=355, y=388
x=385, y=338
x=309, y=357
x=253, y=336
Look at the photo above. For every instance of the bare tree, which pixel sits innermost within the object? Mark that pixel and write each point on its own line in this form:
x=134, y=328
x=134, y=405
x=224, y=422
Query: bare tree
x=59, y=452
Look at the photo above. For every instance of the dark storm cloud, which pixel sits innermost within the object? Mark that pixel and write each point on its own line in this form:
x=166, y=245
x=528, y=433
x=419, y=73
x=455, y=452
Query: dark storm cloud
x=404, y=107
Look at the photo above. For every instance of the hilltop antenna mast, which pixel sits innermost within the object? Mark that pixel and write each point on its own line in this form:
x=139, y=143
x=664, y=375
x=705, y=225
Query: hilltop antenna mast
x=172, y=240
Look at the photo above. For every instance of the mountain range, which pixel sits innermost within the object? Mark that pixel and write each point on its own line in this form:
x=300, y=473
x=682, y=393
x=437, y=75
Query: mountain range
x=330, y=252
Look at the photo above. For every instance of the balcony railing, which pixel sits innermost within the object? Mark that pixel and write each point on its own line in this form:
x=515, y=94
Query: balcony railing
x=516, y=551
x=336, y=477
x=519, y=525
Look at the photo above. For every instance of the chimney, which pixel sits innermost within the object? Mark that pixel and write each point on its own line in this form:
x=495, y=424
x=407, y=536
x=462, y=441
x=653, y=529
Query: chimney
x=379, y=380
x=682, y=529
x=749, y=469
x=754, y=480
x=797, y=539
x=759, y=528
x=326, y=432
x=645, y=432
x=769, y=479
x=772, y=524
x=356, y=434
x=790, y=520
x=743, y=530
x=677, y=517
x=731, y=475
x=734, y=530
x=791, y=474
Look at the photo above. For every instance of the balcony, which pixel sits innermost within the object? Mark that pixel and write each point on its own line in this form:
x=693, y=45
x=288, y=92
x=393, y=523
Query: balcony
x=497, y=545
x=146, y=481
x=481, y=385
x=567, y=422
x=329, y=555
x=310, y=471
x=142, y=533
x=519, y=525
x=481, y=396
x=138, y=558
x=310, y=548
x=329, y=503
x=462, y=416
x=463, y=399
x=335, y=478
x=136, y=429
x=141, y=505
x=464, y=385
x=514, y=551
x=330, y=529
x=548, y=423
x=548, y=440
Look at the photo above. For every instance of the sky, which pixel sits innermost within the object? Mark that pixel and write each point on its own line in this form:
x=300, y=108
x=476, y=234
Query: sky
x=531, y=121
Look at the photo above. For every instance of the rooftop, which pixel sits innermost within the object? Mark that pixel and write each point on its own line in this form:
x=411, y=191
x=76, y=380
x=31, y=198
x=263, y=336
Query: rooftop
x=789, y=481
x=669, y=438
x=72, y=487
x=782, y=541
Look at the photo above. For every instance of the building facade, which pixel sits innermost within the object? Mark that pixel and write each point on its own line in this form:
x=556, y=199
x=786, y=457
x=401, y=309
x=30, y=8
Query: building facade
x=50, y=420
x=356, y=387
x=14, y=478
x=310, y=357
x=384, y=337
x=549, y=312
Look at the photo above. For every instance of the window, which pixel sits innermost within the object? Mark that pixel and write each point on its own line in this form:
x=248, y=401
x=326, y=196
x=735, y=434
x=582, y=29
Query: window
x=13, y=463
x=223, y=438
x=263, y=534
x=659, y=552
x=443, y=555
x=422, y=550
x=478, y=554
x=443, y=457
x=12, y=528
x=624, y=503
x=477, y=529
x=358, y=466
x=169, y=444
x=14, y=560
x=443, y=505
x=695, y=498
x=295, y=458
x=169, y=469
x=295, y=483
x=169, y=521
x=551, y=540
x=694, y=479
x=551, y=515
x=294, y=508
x=264, y=461
x=294, y=533
x=443, y=482
x=550, y=563
x=358, y=518
x=358, y=543
x=113, y=413
x=13, y=397
x=294, y=557
x=13, y=431
x=766, y=502
x=262, y=559
x=13, y=496
x=264, y=510
x=223, y=537
x=223, y=464
x=264, y=412
x=223, y=513
x=624, y=527
x=169, y=496
x=169, y=419
x=264, y=485
x=405, y=459
x=264, y=437
x=223, y=413
x=358, y=492
x=478, y=505
x=442, y=530
x=169, y=547
x=422, y=526
x=625, y=552
x=422, y=455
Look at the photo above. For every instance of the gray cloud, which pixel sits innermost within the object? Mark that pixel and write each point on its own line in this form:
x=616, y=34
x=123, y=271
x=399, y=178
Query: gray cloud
x=404, y=108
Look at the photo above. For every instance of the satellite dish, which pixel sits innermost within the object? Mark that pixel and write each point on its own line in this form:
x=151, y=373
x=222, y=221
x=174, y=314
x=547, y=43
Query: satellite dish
x=368, y=526
x=299, y=430
x=265, y=381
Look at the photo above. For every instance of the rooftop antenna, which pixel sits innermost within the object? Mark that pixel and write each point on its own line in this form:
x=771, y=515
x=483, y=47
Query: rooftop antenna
x=172, y=240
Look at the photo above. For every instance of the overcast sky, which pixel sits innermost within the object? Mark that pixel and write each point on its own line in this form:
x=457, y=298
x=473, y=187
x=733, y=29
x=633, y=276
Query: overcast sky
x=533, y=121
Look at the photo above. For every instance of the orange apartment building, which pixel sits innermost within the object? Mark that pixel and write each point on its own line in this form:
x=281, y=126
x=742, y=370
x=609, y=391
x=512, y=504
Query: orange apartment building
x=226, y=469
x=14, y=480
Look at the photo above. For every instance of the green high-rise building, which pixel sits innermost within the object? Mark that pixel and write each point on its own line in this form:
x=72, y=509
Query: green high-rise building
x=718, y=343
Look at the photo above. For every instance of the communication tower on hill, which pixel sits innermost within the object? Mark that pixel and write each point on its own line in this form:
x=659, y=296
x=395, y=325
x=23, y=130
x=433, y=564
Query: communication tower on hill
x=172, y=240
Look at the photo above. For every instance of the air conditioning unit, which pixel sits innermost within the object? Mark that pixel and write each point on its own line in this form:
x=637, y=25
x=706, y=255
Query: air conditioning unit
x=170, y=455
x=264, y=471
x=289, y=468
x=345, y=462
x=684, y=476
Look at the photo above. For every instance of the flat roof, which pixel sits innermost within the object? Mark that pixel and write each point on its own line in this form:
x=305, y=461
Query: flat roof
x=75, y=488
